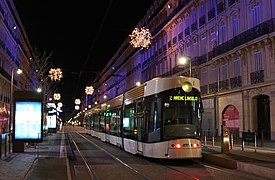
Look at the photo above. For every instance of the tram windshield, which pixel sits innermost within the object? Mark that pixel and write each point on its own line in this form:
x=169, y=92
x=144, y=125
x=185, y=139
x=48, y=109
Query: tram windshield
x=181, y=114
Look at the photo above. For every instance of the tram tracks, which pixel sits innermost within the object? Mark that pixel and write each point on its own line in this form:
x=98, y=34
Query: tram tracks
x=105, y=161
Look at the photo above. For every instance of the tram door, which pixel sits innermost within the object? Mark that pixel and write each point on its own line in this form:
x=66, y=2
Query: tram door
x=140, y=125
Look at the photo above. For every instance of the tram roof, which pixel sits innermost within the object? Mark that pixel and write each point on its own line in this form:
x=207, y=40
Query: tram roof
x=161, y=84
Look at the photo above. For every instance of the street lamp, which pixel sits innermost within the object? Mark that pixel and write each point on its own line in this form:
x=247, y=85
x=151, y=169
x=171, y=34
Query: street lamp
x=186, y=86
x=184, y=60
x=18, y=71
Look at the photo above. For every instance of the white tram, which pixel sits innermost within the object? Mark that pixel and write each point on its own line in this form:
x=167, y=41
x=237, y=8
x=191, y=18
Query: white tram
x=157, y=119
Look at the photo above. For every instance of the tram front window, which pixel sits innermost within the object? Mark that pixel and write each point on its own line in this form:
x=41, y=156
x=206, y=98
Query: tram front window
x=180, y=118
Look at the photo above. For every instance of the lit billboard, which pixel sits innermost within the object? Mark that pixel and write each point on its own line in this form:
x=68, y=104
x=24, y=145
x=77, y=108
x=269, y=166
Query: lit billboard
x=28, y=121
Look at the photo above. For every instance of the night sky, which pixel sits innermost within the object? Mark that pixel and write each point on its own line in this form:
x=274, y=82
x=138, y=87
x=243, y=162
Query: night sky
x=82, y=35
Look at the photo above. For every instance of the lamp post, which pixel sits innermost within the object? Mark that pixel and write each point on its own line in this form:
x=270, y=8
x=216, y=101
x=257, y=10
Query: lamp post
x=186, y=86
x=19, y=71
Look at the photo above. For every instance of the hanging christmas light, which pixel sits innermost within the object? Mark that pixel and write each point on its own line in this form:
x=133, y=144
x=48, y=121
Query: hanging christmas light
x=141, y=37
x=55, y=74
x=56, y=96
x=89, y=90
x=77, y=101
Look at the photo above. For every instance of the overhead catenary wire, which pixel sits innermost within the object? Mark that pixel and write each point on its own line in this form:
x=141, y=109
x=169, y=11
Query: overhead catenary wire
x=92, y=47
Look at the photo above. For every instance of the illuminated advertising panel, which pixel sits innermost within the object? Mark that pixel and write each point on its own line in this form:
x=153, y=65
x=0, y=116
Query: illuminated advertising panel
x=28, y=120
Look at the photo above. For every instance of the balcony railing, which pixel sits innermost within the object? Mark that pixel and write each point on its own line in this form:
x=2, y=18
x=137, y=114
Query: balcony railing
x=211, y=14
x=224, y=85
x=260, y=30
x=236, y=82
x=213, y=87
x=257, y=77
x=204, y=89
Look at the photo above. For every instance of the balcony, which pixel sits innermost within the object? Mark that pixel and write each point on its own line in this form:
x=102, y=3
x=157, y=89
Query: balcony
x=260, y=30
x=213, y=87
x=236, y=82
x=204, y=89
x=224, y=85
x=257, y=77
x=211, y=14
x=202, y=21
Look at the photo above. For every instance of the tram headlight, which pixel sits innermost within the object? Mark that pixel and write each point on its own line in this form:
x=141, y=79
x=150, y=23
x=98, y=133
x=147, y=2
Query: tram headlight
x=187, y=86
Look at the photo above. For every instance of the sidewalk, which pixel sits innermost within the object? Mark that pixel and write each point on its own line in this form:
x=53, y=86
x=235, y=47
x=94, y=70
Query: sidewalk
x=46, y=160
x=261, y=162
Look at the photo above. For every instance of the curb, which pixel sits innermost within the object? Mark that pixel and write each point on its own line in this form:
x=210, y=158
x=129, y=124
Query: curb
x=250, y=168
x=256, y=170
x=219, y=161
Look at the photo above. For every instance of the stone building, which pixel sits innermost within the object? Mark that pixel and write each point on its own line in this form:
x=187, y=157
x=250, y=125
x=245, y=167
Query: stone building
x=231, y=47
x=15, y=53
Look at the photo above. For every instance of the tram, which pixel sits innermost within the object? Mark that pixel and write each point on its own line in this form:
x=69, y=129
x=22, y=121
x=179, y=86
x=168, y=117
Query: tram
x=157, y=119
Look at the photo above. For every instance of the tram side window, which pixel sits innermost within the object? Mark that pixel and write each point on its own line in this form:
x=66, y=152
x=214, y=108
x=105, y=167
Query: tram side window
x=154, y=130
x=129, y=121
x=114, y=122
x=96, y=122
x=107, y=120
x=91, y=122
x=101, y=123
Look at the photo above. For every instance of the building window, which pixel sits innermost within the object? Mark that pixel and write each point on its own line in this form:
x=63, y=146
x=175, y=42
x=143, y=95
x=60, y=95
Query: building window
x=255, y=15
x=236, y=68
x=202, y=9
x=224, y=71
x=258, y=61
x=215, y=74
x=222, y=34
x=235, y=25
x=204, y=78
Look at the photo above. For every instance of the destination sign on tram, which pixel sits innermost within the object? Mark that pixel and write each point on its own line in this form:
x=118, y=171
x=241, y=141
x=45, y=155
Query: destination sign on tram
x=183, y=98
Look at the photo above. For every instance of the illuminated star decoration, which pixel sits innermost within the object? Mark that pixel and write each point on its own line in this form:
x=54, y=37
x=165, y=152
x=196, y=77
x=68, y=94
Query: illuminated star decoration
x=55, y=74
x=141, y=37
x=89, y=90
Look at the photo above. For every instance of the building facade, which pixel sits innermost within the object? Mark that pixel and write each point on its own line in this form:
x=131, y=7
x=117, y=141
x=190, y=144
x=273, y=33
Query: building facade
x=15, y=53
x=231, y=46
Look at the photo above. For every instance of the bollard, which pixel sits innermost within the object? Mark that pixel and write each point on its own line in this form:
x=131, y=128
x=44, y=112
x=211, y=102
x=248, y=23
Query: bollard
x=205, y=140
x=232, y=140
x=255, y=139
x=213, y=140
